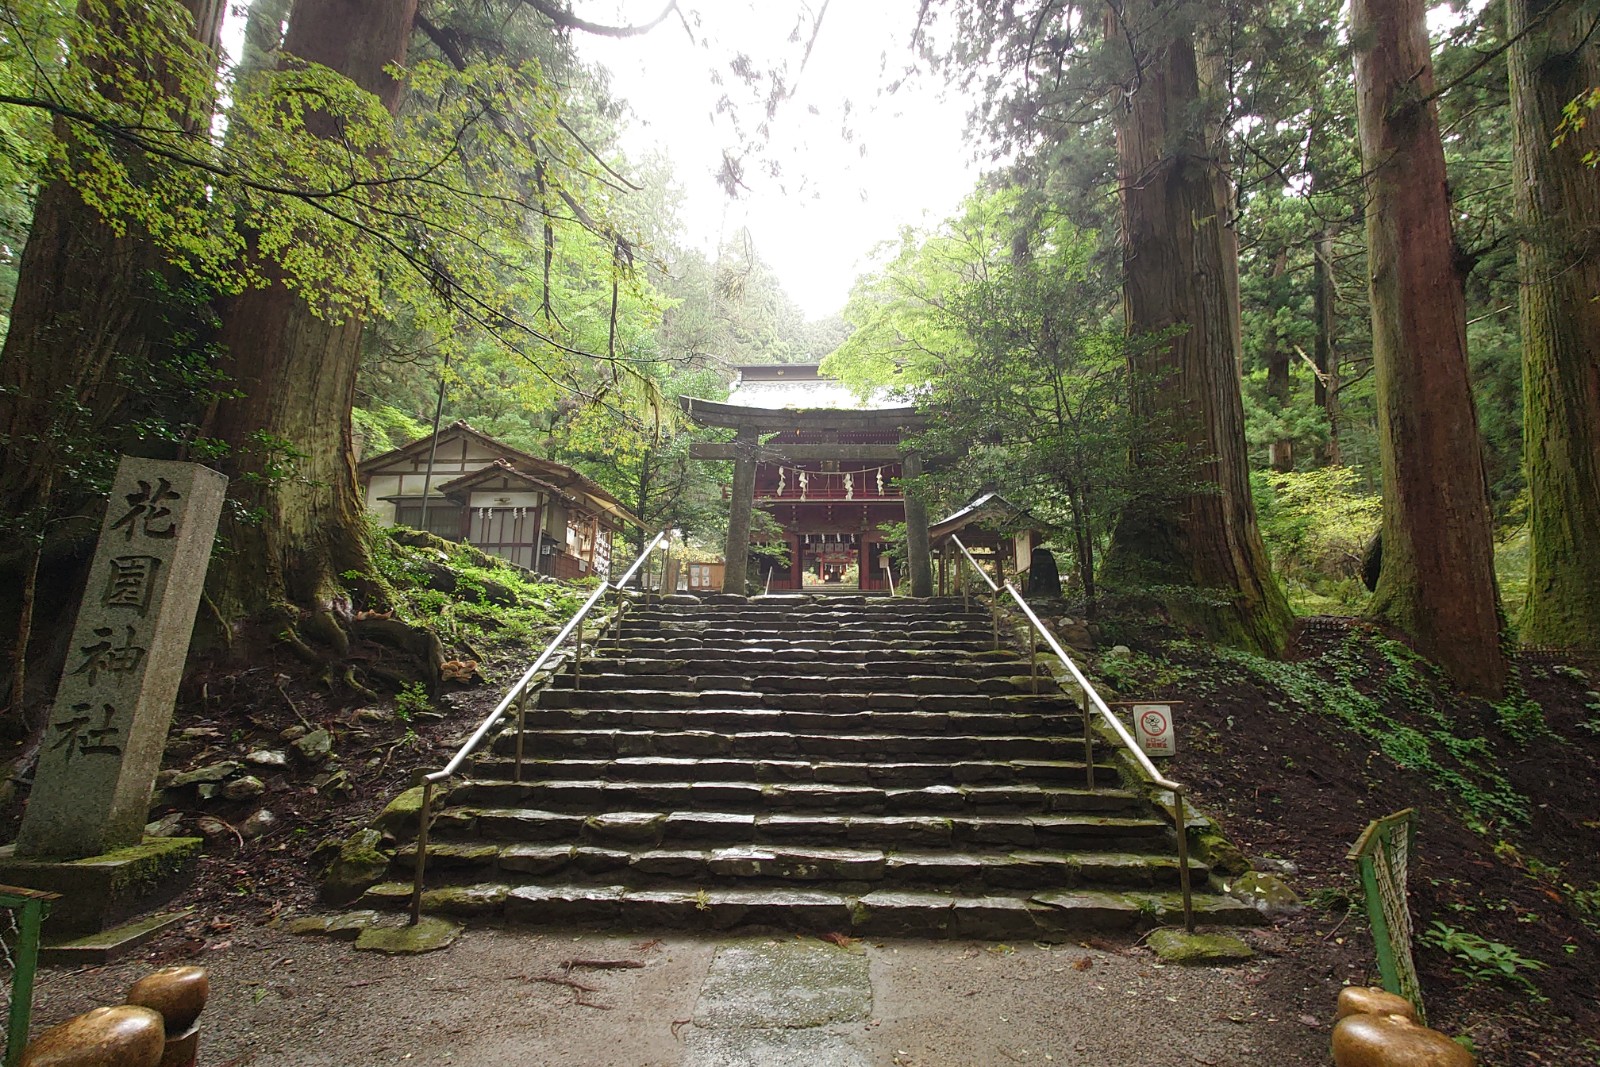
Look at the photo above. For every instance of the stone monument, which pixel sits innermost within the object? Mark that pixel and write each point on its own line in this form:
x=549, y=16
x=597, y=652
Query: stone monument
x=107, y=730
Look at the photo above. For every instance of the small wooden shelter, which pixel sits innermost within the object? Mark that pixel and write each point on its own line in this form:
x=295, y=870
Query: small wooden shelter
x=535, y=512
x=995, y=531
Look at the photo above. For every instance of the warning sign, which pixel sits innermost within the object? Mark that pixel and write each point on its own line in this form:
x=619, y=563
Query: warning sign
x=1152, y=726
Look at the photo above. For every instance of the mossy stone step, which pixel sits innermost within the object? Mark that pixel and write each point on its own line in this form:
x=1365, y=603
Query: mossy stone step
x=886, y=698
x=730, y=721
x=881, y=913
x=641, y=867
x=600, y=795
x=777, y=743
x=493, y=770
x=1056, y=831
x=802, y=682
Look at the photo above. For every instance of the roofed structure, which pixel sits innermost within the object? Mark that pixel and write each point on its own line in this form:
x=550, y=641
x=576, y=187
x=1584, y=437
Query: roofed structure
x=535, y=512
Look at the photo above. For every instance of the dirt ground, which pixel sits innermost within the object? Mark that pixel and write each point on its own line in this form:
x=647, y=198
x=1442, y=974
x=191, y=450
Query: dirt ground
x=290, y=1001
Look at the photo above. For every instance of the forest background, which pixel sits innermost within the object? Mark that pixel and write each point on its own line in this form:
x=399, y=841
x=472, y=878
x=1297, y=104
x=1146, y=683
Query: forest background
x=384, y=205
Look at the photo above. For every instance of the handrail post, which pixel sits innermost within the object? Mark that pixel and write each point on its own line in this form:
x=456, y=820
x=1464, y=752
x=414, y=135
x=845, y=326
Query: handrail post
x=994, y=617
x=27, y=962
x=1033, y=659
x=577, y=658
x=1088, y=740
x=1183, y=859
x=522, y=716
x=424, y=816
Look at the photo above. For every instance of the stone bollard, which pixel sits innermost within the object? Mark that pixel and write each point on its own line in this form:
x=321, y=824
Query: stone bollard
x=1363, y=1040
x=1373, y=1000
x=178, y=995
x=125, y=1036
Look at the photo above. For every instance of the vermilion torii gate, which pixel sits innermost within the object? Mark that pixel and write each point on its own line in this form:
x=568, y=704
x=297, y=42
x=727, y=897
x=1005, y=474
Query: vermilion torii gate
x=820, y=472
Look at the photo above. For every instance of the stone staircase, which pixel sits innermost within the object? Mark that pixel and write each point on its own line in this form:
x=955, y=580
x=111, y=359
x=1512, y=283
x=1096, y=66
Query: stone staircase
x=861, y=765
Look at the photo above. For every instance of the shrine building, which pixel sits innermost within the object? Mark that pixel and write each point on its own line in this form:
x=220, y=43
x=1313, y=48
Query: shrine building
x=826, y=466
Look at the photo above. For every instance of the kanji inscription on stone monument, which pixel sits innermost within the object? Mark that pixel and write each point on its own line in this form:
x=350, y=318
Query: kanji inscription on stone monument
x=108, y=727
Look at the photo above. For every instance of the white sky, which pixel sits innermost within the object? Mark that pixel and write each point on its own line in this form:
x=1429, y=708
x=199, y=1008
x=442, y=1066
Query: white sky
x=815, y=222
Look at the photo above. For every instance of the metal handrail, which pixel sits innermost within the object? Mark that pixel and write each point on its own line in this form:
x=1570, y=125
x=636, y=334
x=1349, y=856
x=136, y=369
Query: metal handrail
x=1092, y=698
x=518, y=695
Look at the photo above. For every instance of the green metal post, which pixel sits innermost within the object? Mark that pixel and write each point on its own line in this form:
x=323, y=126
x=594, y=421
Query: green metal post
x=27, y=963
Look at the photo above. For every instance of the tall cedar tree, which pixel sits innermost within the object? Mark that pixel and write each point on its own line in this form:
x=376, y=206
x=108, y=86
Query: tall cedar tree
x=294, y=373
x=1558, y=208
x=1437, y=583
x=91, y=315
x=88, y=311
x=1181, y=275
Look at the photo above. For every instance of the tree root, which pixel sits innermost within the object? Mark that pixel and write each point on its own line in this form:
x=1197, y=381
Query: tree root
x=350, y=680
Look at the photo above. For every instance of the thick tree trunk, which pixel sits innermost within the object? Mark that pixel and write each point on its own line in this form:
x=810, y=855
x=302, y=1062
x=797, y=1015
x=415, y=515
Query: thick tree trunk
x=1558, y=207
x=297, y=527
x=89, y=316
x=92, y=315
x=1180, y=263
x=1325, y=354
x=1277, y=360
x=1437, y=582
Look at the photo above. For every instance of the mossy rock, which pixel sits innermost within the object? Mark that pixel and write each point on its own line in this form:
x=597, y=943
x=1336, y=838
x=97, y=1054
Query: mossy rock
x=400, y=819
x=1267, y=893
x=1192, y=950
x=361, y=863
x=429, y=935
x=1220, y=854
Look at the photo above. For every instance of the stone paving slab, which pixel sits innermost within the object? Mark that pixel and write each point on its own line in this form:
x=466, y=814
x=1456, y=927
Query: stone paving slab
x=781, y=1003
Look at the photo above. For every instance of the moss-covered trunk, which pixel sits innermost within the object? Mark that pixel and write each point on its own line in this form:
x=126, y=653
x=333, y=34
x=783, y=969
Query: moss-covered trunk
x=297, y=526
x=1181, y=276
x=1558, y=207
x=1437, y=583
x=92, y=313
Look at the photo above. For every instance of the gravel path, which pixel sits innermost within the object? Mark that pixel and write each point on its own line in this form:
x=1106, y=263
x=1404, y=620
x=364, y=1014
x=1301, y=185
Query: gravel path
x=705, y=1002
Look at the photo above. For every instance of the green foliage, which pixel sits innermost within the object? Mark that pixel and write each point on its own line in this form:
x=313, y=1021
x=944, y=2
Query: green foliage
x=1369, y=703
x=1317, y=524
x=467, y=618
x=386, y=427
x=1481, y=960
x=999, y=323
x=410, y=700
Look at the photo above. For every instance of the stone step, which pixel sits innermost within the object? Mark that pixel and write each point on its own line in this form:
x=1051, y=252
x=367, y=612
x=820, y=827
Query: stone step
x=889, y=698
x=800, y=682
x=818, y=605
x=650, y=827
x=1050, y=915
x=453, y=863
x=779, y=645
x=765, y=654
x=600, y=795
x=761, y=665
x=765, y=744
x=738, y=720
x=711, y=769
x=789, y=624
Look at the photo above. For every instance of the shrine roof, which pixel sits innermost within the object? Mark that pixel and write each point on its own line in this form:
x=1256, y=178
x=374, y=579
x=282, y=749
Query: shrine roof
x=989, y=512
x=800, y=386
x=798, y=396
